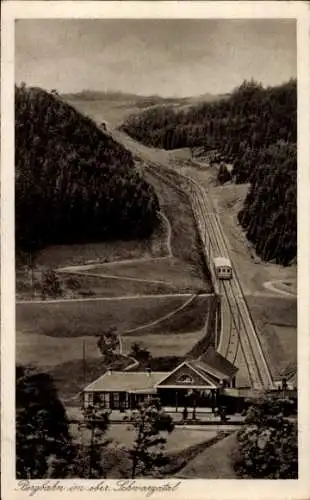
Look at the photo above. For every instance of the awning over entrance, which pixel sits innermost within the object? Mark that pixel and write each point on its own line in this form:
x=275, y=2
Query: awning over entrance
x=143, y=391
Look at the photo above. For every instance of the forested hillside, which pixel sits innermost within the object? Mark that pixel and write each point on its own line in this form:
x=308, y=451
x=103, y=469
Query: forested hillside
x=73, y=183
x=269, y=214
x=255, y=129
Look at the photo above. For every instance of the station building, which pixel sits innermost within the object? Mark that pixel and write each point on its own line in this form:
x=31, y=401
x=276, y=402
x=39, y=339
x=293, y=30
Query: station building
x=192, y=383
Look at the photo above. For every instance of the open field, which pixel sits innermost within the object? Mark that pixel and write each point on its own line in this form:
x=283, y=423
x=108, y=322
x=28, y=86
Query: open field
x=62, y=357
x=101, y=286
x=188, y=319
x=78, y=254
x=115, y=109
x=105, y=110
x=178, y=344
x=69, y=376
x=87, y=285
x=83, y=318
x=176, y=441
x=276, y=322
x=51, y=335
x=42, y=350
x=90, y=317
x=183, y=445
x=213, y=463
x=183, y=276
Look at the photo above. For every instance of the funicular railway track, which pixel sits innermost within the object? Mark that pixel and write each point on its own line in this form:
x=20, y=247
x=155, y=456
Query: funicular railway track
x=237, y=327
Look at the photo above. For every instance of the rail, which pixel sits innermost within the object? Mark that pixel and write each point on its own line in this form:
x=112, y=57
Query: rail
x=215, y=244
x=243, y=335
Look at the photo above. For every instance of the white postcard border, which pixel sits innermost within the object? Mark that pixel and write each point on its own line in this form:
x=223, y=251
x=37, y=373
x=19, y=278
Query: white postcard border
x=196, y=489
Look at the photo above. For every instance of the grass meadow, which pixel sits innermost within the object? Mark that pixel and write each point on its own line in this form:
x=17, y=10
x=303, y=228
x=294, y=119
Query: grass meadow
x=182, y=276
x=76, y=318
x=51, y=335
x=276, y=321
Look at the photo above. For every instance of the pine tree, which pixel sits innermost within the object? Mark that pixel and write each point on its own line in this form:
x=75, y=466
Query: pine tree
x=43, y=443
x=150, y=424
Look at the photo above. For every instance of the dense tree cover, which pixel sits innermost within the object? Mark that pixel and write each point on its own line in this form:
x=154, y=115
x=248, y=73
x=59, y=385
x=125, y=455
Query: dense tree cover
x=73, y=182
x=43, y=443
x=269, y=214
x=267, y=443
x=251, y=118
x=255, y=129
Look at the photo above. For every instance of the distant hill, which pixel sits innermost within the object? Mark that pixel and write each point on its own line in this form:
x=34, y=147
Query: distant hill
x=116, y=107
x=255, y=130
x=139, y=100
x=95, y=95
x=74, y=183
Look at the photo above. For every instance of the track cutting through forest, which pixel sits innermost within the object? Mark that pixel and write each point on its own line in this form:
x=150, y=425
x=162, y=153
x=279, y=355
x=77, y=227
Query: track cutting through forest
x=236, y=313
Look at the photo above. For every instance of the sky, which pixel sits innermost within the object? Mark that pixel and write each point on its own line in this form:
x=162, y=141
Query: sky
x=176, y=58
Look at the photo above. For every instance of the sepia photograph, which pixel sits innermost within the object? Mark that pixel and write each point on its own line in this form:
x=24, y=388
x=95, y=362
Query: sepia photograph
x=156, y=249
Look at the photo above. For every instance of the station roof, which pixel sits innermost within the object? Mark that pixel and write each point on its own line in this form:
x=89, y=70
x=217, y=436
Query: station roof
x=115, y=381
x=210, y=365
x=214, y=363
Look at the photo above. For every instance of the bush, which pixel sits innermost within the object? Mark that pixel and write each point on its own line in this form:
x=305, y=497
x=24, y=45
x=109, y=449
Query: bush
x=267, y=444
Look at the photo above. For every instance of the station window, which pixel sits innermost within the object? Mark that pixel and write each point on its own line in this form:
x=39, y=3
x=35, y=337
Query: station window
x=115, y=396
x=105, y=397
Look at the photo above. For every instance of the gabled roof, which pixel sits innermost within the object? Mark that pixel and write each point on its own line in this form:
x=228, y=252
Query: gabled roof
x=206, y=375
x=211, y=367
x=125, y=381
x=204, y=379
x=215, y=364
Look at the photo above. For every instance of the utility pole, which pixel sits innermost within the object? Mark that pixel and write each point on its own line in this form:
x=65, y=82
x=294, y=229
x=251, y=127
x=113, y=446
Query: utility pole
x=218, y=325
x=84, y=365
x=216, y=320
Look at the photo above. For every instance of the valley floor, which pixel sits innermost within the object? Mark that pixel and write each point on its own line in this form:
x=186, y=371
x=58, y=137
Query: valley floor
x=153, y=292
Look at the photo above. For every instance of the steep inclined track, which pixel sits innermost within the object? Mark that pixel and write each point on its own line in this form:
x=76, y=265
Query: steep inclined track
x=238, y=330
x=237, y=327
